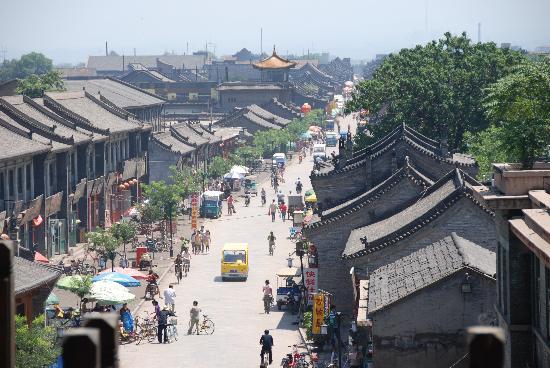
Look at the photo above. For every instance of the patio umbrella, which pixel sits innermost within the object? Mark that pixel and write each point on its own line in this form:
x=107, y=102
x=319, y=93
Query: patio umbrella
x=306, y=135
x=40, y=258
x=117, y=277
x=52, y=300
x=127, y=271
x=311, y=198
x=239, y=169
x=110, y=293
x=233, y=175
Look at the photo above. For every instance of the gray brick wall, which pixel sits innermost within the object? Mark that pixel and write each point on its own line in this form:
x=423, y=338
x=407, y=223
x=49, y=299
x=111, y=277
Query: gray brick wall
x=160, y=161
x=427, y=329
x=335, y=188
x=330, y=239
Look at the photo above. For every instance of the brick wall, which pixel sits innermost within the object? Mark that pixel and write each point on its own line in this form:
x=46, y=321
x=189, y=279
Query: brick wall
x=330, y=239
x=427, y=329
x=160, y=161
x=335, y=188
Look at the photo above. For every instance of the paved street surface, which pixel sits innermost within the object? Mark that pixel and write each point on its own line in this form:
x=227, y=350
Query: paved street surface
x=235, y=307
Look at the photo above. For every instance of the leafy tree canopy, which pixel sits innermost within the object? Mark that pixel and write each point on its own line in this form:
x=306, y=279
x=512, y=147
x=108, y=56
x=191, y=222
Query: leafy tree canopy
x=29, y=64
x=519, y=106
x=432, y=86
x=34, y=86
x=124, y=232
x=35, y=345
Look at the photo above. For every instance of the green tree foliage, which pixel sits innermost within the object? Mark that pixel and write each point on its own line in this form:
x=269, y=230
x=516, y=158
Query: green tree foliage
x=104, y=243
x=487, y=147
x=218, y=167
x=81, y=286
x=124, y=232
x=35, y=345
x=29, y=64
x=430, y=86
x=34, y=86
x=519, y=105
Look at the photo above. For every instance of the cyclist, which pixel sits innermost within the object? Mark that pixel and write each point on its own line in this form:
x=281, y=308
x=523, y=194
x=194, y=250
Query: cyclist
x=268, y=296
x=299, y=186
x=178, y=266
x=267, y=344
x=186, y=257
x=151, y=279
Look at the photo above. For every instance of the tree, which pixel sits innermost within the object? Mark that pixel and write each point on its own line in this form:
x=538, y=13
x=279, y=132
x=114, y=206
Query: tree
x=518, y=104
x=432, y=86
x=124, y=232
x=218, y=167
x=487, y=147
x=34, y=86
x=81, y=287
x=104, y=243
x=35, y=344
x=29, y=64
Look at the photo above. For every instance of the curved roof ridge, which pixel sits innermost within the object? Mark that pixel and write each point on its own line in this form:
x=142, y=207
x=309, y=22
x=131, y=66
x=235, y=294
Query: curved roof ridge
x=446, y=191
x=356, y=202
x=436, y=156
x=430, y=141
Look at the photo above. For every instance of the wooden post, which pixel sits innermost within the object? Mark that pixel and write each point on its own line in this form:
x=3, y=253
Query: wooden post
x=486, y=346
x=81, y=348
x=7, y=305
x=107, y=325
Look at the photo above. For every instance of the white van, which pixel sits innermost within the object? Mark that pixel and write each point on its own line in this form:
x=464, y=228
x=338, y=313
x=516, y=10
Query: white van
x=320, y=151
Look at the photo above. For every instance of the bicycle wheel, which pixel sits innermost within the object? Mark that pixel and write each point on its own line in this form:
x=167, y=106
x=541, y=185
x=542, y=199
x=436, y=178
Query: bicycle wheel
x=152, y=334
x=208, y=326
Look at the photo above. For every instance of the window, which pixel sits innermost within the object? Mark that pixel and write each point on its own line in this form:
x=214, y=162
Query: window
x=28, y=174
x=19, y=180
x=234, y=256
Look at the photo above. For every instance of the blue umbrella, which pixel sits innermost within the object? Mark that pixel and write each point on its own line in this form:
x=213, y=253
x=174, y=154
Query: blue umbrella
x=117, y=277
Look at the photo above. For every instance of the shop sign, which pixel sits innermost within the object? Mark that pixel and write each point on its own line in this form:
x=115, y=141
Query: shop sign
x=318, y=313
x=194, y=210
x=311, y=283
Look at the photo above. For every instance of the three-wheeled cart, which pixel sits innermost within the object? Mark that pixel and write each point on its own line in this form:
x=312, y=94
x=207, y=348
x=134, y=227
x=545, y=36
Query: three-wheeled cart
x=287, y=286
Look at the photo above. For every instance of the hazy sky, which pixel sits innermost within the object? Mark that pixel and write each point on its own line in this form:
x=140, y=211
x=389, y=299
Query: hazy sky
x=70, y=30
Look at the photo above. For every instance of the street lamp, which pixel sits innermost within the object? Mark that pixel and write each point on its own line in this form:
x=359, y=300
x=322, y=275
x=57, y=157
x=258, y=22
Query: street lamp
x=170, y=206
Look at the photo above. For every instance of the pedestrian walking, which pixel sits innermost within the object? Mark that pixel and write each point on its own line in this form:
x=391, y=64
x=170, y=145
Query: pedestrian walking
x=194, y=318
x=283, y=208
x=207, y=241
x=268, y=296
x=272, y=210
x=197, y=242
x=271, y=242
x=163, y=324
x=157, y=308
x=203, y=235
x=170, y=298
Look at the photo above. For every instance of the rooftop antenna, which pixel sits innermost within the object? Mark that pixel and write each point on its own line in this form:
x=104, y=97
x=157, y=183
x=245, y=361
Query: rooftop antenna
x=479, y=32
x=106, y=49
x=261, y=41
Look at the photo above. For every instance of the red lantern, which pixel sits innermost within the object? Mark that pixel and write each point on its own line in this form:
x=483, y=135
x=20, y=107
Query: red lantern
x=135, y=181
x=126, y=185
x=121, y=187
x=306, y=108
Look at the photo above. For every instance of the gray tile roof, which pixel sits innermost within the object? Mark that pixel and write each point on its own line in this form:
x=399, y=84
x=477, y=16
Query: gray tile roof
x=172, y=143
x=278, y=108
x=188, y=134
x=436, y=200
x=122, y=94
x=238, y=86
x=97, y=113
x=49, y=119
x=114, y=63
x=17, y=144
x=266, y=115
x=30, y=275
x=408, y=171
x=425, y=267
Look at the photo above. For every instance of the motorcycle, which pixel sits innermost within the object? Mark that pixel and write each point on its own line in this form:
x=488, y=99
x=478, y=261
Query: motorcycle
x=294, y=359
x=152, y=289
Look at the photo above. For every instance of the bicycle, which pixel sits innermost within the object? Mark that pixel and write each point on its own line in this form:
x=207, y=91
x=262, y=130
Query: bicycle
x=265, y=359
x=148, y=330
x=206, y=326
x=172, y=330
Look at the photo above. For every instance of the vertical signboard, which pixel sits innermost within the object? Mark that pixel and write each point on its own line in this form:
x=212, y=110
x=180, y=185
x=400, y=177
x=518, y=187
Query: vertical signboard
x=194, y=210
x=318, y=313
x=311, y=283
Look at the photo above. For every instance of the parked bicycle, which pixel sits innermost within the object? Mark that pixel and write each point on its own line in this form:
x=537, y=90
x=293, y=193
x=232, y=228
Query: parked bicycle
x=206, y=326
x=147, y=329
x=172, y=330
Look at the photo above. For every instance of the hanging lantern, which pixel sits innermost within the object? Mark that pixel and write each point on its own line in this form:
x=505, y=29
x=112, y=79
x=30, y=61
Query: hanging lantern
x=126, y=185
x=135, y=181
x=121, y=187
x=306, y=108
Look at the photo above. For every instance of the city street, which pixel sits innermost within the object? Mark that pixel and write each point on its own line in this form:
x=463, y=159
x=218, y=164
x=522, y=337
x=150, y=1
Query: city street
x=235, y=307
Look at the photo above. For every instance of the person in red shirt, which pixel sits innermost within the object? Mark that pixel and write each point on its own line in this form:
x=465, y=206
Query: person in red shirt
x=283, y=208
x=230, y=208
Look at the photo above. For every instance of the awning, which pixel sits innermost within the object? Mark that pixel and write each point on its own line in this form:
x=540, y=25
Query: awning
x=33, y=210
x=289, y=272
x=79, y=191
x=53, y=204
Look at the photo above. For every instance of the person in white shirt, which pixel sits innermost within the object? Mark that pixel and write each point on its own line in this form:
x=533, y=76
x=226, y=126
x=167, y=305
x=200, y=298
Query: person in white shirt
x=170, y=298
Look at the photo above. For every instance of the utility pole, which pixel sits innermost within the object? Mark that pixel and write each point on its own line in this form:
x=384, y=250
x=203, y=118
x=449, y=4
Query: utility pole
x=106, y=49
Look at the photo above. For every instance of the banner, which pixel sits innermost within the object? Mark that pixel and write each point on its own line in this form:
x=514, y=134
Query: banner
x=318, y=313
x=194, y=210
x=311, y=283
